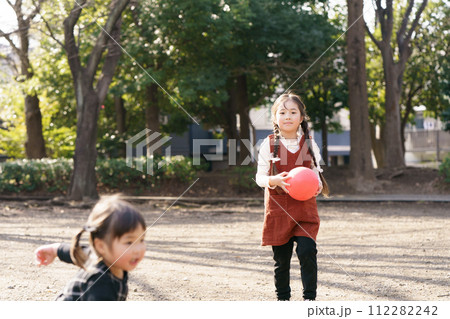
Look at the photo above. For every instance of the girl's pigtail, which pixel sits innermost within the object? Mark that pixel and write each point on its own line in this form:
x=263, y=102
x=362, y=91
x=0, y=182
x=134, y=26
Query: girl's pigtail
x=276, y=147
x=276, y=132
x=77, y=254
x=325, y=188
x=304, y=125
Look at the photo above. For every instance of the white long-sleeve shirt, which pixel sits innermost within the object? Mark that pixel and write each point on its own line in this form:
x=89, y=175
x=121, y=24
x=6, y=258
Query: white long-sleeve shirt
x=292, y=145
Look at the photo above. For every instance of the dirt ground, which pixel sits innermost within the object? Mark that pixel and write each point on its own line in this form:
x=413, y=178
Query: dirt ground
x=367, y=251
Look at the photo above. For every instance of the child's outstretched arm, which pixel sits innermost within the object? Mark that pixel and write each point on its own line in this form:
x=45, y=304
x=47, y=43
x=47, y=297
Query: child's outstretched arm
x=46, y=254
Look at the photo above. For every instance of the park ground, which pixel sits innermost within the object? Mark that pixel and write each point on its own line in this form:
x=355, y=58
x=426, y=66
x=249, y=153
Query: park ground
x=367, y=251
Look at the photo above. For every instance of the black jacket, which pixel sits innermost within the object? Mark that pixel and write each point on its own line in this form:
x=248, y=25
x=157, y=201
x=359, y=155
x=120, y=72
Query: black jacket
x=96, y=283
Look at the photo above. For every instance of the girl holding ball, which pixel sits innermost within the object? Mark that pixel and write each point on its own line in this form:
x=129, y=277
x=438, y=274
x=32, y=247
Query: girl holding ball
x=288, y=220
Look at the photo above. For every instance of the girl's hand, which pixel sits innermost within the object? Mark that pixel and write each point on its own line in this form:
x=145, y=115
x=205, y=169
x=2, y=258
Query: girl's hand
x=279, y=180
x=45, y=255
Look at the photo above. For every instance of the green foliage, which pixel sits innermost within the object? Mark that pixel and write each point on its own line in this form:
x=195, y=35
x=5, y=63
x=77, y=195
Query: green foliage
x=195, y=48
x=11, y=141
x=53, y=175
x=179, y=167
x=58, y=134
x=426, y=79
x=60, y=142
x=426, y=71
x=31, y=175
x=444, y=169
x=116, y=174
x=242, y=178
x=12, y=123
x=192, y=48
x=112, y=145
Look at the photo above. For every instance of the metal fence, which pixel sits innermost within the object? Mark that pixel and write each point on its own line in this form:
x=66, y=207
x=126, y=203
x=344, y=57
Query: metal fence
x=425, y=141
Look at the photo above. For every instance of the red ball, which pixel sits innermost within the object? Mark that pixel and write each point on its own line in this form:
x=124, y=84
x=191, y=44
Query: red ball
x=303, y=183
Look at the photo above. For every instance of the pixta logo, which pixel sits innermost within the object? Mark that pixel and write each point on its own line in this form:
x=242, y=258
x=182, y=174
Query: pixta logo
x=210, y=150
x=149, y=142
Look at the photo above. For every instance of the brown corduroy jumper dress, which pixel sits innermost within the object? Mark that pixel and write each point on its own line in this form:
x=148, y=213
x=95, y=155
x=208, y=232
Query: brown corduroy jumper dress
x=286, y=217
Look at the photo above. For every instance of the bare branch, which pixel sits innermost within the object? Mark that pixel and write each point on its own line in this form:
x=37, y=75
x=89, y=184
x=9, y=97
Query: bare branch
x=390, y=20
x=11, y=5
x=404, y=48
x=402, y=30
x=74, y=15
x=18, y=10
x=378, y=3
x=3, y=34
x=111, y=60
x=417, y=89
x=69, y=38
x=11, y=62
x=11, y=43
x=379, y=11
x=377, y=43
x=117, y=7
x=51, y=34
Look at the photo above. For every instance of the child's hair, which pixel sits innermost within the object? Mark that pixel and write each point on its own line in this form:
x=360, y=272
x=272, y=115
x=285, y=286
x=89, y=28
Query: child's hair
x=280, y=101
x=110, y=218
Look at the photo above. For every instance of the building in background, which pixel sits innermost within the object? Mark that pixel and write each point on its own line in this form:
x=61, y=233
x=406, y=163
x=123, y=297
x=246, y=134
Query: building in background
x=425, y=141
x=338, y=143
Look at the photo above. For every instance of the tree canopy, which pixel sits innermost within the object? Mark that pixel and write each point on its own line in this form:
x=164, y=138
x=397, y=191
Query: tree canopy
x=189, y=62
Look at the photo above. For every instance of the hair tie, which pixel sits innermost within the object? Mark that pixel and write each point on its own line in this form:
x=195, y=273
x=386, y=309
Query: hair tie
x=89, y=229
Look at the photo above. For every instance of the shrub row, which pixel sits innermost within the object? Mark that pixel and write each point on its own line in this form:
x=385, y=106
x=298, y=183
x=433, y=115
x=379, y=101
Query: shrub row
x=444, y=169
x=53, y=175
x=242, y=178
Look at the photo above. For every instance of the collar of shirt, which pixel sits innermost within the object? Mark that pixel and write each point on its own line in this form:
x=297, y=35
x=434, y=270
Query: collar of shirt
x=282, y=138
x=291, y=144
x=299, y=136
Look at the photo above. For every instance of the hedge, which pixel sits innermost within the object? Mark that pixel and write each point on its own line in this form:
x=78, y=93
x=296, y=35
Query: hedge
x=53, y=175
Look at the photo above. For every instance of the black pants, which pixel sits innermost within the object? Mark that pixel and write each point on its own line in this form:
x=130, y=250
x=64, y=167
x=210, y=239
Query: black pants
x=307, y=255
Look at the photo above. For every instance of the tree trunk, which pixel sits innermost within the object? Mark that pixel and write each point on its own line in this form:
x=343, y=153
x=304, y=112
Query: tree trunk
x=392, y=140
x=152, y=115
x=360, y=146
x=244, y=119
x=121, y=114
x=230, y=127
x=84, y=181
x=404, y=120
x=34, y=145
x=393, y=72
